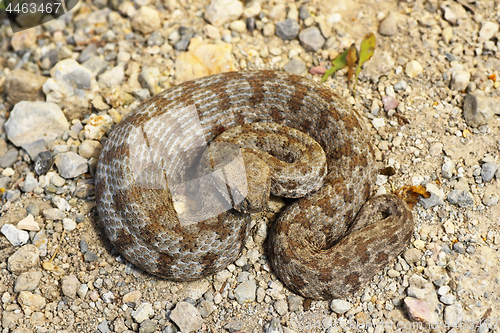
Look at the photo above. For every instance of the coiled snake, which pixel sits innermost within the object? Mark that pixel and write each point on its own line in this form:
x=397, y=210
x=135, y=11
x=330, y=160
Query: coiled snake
x=324, y=245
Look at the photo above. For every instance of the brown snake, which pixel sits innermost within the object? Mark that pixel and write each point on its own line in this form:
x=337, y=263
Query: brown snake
x=325, y=245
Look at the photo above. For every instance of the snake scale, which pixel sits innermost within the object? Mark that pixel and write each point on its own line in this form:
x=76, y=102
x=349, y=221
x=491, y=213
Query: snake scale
x=325, y=245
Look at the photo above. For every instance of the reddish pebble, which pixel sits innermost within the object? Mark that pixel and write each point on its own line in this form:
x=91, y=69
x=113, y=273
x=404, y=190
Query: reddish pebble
x=390, y=103
x=418, y=310
x=318, y=70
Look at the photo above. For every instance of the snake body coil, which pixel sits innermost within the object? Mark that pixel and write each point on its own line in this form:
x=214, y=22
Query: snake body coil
x=323, y=246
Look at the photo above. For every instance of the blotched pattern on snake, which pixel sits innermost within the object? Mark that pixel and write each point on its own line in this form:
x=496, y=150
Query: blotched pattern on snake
x=324, y=245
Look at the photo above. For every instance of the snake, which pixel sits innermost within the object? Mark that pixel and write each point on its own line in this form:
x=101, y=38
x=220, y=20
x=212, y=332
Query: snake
x=174, y=221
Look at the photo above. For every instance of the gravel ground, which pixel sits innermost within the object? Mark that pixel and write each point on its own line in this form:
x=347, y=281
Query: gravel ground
x=430, y=98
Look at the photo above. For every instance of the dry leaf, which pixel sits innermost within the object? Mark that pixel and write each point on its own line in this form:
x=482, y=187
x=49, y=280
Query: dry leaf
x=351, y=58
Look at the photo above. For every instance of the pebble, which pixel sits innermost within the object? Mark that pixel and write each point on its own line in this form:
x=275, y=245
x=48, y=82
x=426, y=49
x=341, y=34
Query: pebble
x=239, y=26
x=479, y=109
x=30, y=183
x=183, y=43
x=103, y=326
x=143, y=312
x=21, y=85
x=318, y=70
x=459, y=247
x=24, y=259
x=31, y=302
x=70, y=285
x=460, y=198
x=488, y=171
x=147, y=326
x=275, y=326
x=54, y=214
x=67, y=78
x=90, y=256
x=304, y=12
x=96, y=65
x=132, y=297
x=82, y=290
x=206, y=308
x=252, y=9
x=44, y=162
x=220, y=12
x=61, y=203
x=389, y=25
x=4, y=182
x=390, y=103
x=15, y=236
x=447, y=168
x=71, y=165
x=28, y=223
x=281, y=307
x=90, y=148
x=412, y=256
x=69, y=224
x=97, y=126
x=295, y=66
x=33, y=121
x=57, y=180
x=460, y=79
x=245, y=292
x=40, y=241
x=378, y=122
x=146, y=20
x=340, y=306
x=12, y=195
x=28, y=281
x=419, y=310
x=186, y=317
x=401, y=86
x=413, y=69
x=489, y=200
x=233, y=326
x=488, y=30
x=88, y=52
x=287, y=29
x=430, y=202
x=113, y=77
x=453, y=314
x=448, y=299
x=453, y=12
x=24, y=40
x=9, y=158
x=294, y=303
x=310, y=38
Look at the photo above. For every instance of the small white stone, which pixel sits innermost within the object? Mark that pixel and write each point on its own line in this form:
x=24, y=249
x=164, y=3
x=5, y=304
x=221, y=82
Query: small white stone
x=8, y=172
x=340, y=306
x=69, y=224
x=378, y=122
x=488, y=30
x=443, y=290
x=15, y=236
x=238, y=26
x=28, y=223
x=143, y=312
x=447, y=33
x=413, y=69
x=381, y=180
x=419, y=244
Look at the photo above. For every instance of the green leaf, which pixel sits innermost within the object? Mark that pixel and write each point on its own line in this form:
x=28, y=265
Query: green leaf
x=337, y=63
x=366, y=51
